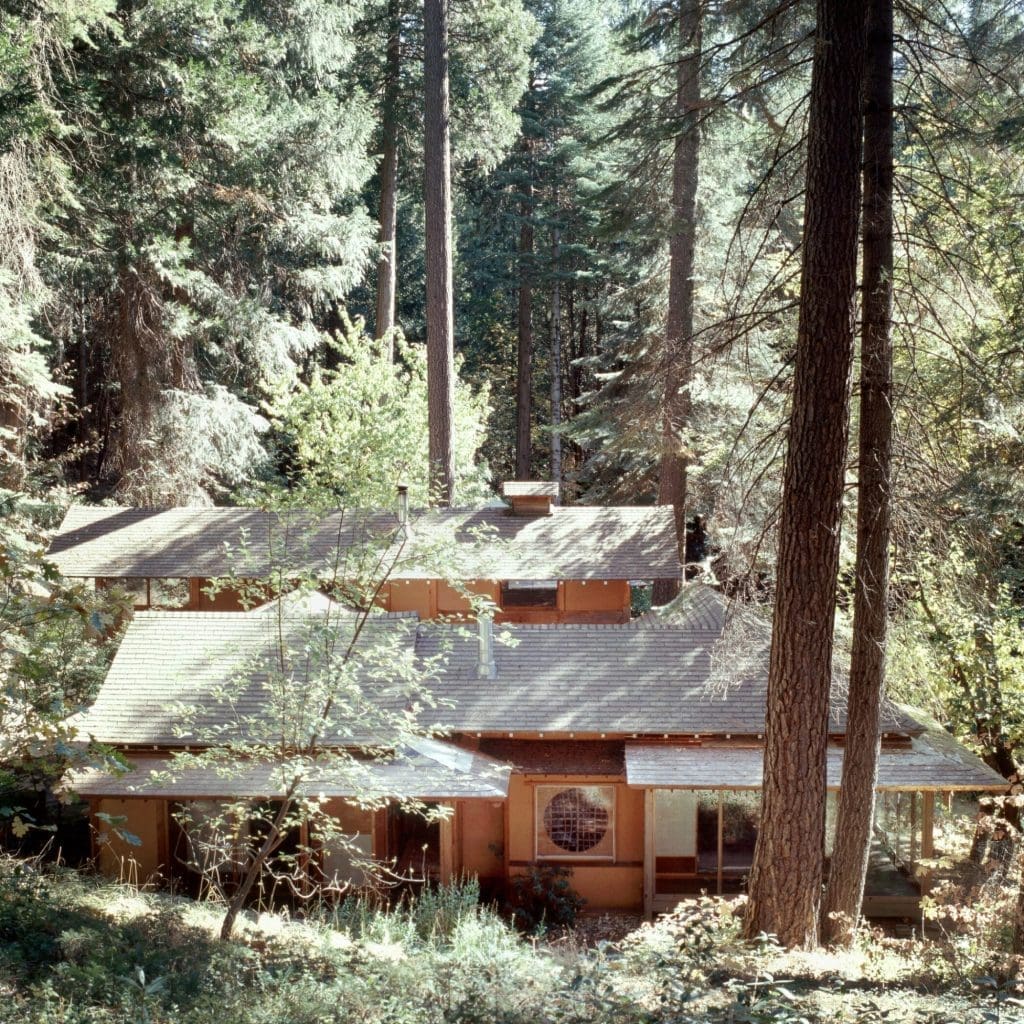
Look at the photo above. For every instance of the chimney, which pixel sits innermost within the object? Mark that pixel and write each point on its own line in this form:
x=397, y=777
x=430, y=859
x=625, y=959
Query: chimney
x=486, y=667
x=530, y=497
x=404, y=530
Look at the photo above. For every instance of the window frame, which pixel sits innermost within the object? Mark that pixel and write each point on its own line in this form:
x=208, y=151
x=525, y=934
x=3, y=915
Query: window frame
x=550, y=791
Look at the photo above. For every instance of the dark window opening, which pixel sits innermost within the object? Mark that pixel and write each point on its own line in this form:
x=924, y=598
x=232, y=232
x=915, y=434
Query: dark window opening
x=529, y=594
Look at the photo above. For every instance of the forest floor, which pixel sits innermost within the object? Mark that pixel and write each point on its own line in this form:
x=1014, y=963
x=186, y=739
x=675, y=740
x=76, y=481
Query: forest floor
x=78, y=950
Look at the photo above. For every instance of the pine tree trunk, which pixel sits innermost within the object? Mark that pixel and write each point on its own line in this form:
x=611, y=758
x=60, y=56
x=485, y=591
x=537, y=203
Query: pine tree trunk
x=678, y=350
x=387, y=262
x=556, y=359
x=438, y=202
x=524, y=363
x=786, y=879
x=844, y=894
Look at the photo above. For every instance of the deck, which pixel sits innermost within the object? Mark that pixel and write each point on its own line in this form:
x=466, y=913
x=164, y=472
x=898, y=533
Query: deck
x=889, y=894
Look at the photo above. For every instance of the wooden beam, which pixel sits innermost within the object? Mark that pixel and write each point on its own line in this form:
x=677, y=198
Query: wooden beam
x=650, y=853
x=721, y=836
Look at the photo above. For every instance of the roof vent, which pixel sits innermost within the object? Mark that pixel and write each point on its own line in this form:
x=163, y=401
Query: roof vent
x=531, y=497
x=486, y=667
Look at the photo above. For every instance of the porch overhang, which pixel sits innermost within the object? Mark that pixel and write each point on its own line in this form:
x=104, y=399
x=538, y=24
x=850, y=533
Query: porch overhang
x=427, y=770
x=931, y=763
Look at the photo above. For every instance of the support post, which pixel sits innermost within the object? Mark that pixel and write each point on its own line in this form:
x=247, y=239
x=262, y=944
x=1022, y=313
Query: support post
x=447, y=865
x=721, y=836
x=896, y=828
x=913, y=828
x=927, y=838
x=650, y=853
x=927, y=825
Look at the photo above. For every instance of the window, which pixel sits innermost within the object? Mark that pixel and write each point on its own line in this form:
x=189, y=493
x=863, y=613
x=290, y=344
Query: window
x=575, y=822
x=529, y=594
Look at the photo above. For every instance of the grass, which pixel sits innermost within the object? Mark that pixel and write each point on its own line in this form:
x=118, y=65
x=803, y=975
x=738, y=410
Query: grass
x=78, y=950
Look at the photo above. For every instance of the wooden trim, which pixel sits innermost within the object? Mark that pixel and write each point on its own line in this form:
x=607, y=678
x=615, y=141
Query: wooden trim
x=561, y=785
x=649, y=853
x=675, y=865
x=570, y=862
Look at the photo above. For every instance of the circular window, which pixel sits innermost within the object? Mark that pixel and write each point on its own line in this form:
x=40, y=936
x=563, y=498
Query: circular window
x=575, y=821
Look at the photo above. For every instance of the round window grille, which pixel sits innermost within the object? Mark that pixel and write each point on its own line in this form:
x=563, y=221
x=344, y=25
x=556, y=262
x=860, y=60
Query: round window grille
x=574, y=821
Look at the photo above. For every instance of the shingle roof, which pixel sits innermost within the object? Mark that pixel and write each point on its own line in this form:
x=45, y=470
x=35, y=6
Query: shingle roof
x=574, y=542
x=934, y=761
x=222, y=667
x=616, y=679
x=429, y=771
x=587, y=679
x=698, y=607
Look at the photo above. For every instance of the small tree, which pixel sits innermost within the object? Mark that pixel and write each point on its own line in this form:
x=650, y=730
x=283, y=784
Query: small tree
x=51, y=662
x=349, y=433
x=328, y=691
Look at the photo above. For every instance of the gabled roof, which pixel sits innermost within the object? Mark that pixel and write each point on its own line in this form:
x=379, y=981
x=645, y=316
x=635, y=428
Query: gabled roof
x=615, y=679
x=575, y=542
x=585, y=679
x=222, y=667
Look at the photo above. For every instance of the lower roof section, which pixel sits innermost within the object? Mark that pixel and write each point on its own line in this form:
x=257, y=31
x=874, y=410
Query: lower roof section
x=427, y=770
x=932, y=762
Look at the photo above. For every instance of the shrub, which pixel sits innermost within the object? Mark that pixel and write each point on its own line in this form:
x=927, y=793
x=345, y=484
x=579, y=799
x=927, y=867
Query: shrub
x=544, y=898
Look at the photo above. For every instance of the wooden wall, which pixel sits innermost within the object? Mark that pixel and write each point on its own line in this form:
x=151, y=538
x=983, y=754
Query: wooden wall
x=489, y=839
x=147, y=821
x=481, y=833
x=603, y=884
x=578, y=601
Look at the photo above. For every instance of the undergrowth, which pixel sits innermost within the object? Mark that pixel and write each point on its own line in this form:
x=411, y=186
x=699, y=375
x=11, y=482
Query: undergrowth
x=76, y=950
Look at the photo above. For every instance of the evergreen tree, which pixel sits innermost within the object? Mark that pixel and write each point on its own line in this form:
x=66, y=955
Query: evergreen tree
x=438, y=202
x=787, y=875
x=222, y=152
x=844, y=894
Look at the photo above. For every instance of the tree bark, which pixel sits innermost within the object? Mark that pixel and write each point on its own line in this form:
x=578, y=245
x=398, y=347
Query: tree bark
x=677, y=357
x=787, y=874
x=844, y=894
x=438, y=202
x=524, y=362
x=387, y=261
x=556, y=358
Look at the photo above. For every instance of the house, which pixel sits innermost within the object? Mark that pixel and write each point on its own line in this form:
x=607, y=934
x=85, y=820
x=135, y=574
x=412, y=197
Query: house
x=621, y=750
x=535, y=561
